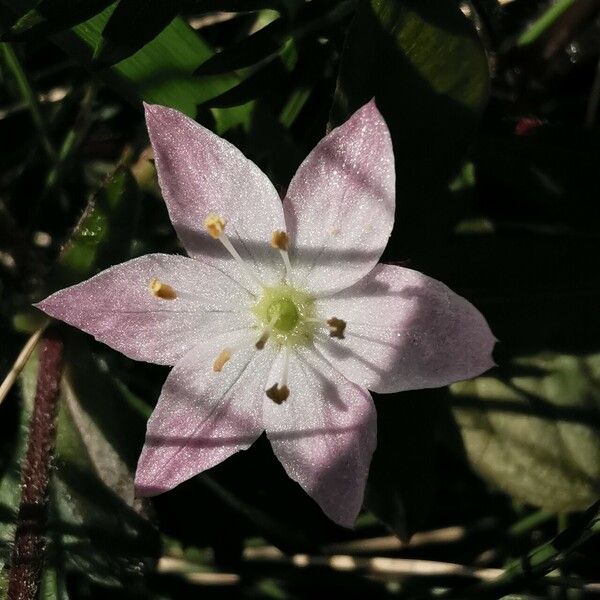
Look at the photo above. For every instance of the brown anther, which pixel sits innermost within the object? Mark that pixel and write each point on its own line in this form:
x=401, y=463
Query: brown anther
x=162, y=290
x=221, y=360
x=215, y=225
x=278, y=394
x=280, y=240
x=336, y=327
x=262, y=340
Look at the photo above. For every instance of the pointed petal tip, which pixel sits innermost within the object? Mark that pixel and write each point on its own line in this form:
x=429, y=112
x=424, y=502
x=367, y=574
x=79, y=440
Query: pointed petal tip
x=370, y=110
x=153, y=111
x=49, y=306
x=147, y=491
x=146, y=486
x=344, y=521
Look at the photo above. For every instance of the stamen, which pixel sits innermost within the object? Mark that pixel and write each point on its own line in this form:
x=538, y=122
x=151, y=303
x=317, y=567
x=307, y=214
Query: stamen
x=162, y=290
x=336, y=327
x=264, y=336
x=281, y=241
x=280, y=392
x=221, y=360
x=262, y=340
x=215, y=225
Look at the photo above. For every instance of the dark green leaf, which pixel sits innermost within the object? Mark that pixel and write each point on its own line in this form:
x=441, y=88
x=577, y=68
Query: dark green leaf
x=159, y=73
x=131, y=26
x=425, y=66
x=270, y=76
x=51, y=16
x=201, y=6
x=261, y=45
x=534, y=429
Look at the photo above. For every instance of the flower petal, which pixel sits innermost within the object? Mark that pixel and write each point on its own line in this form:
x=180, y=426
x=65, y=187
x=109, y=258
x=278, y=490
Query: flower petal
x=203, y=417
x=340, y=205
x=117, y=307
x=405, y=331
x=324, y=434
x=199, y=174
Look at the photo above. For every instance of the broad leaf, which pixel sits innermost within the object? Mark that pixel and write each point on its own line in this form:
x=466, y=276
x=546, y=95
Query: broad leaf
x=535, y=432
x=131, y=26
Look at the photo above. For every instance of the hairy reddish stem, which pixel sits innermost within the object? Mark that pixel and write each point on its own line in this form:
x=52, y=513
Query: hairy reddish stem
x=30, y=543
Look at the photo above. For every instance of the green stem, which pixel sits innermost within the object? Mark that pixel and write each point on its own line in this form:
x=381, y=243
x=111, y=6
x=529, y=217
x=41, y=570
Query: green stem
x=530, y=522
x=537, y=28
x=543, y=559
x=71, y=141
x=29, y=97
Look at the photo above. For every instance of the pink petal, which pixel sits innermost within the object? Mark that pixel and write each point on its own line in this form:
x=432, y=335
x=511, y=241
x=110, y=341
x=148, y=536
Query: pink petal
x=339, y=208
x=405, y=331
x=199, y=174
x=117, y=307
x=324, y=434
x=203, y=417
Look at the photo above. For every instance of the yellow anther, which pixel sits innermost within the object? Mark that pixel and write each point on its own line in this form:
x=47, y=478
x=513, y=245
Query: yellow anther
x=262, y=340
x=162, y=290
x=278, y=394
x=215, y=225
x=336, y=327
x=280, y=240
x=221, y=360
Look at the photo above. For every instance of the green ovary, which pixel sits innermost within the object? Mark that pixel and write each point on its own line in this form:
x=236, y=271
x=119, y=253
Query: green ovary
x=289, y=313
x=285, y=313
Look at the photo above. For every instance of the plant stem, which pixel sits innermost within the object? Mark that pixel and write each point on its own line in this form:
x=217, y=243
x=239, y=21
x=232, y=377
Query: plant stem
x=533, y=32
x=541, y=560
x=30, y=543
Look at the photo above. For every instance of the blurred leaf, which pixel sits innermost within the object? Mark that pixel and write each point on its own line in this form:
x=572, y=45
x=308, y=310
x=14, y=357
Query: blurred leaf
x=159, y=73
x=253, y=49
x=200, y=6
x=131, y=26
x=51, y=16
x=53, y=585
x=104, y=233
x=269, y=76
x=424, y=64
x=535, y=432
x=98, y=533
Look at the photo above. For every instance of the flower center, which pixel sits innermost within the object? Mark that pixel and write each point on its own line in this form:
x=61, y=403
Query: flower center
x=287, y=314
x=284, y=314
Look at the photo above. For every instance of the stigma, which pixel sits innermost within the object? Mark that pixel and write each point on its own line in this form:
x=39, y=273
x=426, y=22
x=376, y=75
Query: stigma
x=162, y=290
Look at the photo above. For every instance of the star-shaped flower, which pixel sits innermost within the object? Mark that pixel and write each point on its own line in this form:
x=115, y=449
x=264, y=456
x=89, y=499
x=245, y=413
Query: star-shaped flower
x=280, y=320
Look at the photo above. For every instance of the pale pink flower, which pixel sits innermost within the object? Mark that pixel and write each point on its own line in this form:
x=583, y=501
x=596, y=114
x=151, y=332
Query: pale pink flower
x=281, y=320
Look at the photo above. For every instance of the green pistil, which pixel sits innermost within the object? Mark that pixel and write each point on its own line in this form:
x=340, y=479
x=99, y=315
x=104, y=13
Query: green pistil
x=288, y=313
x=285, y=313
